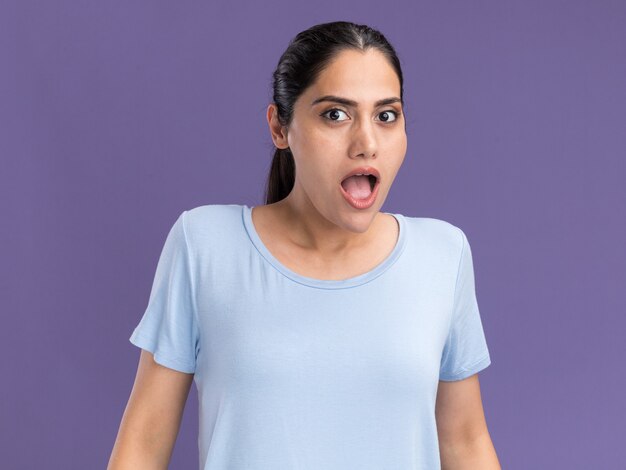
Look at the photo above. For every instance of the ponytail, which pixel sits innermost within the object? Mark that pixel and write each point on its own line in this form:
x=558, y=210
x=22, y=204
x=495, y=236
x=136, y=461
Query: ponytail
x=282, y=176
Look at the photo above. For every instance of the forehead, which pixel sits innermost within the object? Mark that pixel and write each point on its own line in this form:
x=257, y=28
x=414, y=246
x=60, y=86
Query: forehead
x=362, y=76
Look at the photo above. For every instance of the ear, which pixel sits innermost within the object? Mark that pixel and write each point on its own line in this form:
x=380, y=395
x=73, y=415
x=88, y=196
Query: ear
x=278, y=132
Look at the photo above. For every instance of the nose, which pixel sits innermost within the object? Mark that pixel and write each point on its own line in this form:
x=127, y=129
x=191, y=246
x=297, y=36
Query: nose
x=364, y=141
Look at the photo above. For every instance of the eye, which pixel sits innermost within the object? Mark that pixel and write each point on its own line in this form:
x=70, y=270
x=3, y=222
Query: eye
x=334, y=112
x=395, y=113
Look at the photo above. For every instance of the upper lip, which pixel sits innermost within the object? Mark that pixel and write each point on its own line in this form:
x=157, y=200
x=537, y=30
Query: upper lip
x=364, y=170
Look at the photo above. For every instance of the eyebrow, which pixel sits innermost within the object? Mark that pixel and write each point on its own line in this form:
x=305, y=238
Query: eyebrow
x=347, y=102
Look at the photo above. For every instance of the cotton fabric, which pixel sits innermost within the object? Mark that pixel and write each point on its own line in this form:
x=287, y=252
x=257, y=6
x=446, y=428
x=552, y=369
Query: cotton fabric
x=300, y=373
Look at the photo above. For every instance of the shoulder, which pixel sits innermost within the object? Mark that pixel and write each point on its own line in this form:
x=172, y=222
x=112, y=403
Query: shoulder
x=211, y=221
x=437, y=233
x=211, y=216
x=212, y=210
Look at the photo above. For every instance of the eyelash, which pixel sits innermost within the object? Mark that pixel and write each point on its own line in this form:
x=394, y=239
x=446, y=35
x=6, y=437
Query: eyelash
x=397, y=114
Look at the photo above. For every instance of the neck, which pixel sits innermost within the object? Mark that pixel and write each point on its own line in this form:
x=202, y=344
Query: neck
x=312, y=231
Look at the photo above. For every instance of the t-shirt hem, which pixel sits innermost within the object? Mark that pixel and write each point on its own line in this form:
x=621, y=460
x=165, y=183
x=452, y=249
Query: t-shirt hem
x=160, y=357
x=468, y=371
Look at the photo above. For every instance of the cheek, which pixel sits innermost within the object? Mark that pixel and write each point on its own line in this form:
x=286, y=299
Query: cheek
x=318, y=171
x=317, y=140
x=319, y=153
x=398, y=150
x=399, y=141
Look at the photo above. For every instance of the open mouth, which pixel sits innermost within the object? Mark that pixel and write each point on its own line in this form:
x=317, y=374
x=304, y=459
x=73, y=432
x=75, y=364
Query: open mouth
x=361, y=186
x=360, y=190
x=372, y=179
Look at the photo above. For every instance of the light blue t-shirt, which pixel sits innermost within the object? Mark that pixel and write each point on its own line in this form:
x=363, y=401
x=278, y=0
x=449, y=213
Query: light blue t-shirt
x=298, y=373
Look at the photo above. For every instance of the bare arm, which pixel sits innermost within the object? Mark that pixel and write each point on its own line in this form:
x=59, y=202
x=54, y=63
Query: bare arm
x=152, y=417
x=464, y=441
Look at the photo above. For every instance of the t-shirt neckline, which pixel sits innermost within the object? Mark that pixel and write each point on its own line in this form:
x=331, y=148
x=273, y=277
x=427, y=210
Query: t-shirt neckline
x=326, y=283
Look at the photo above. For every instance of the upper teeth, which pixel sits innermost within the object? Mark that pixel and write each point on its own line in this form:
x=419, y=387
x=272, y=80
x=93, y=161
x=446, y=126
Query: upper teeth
x=362, y=174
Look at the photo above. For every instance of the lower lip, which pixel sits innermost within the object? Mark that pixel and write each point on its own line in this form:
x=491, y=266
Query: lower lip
x=361, y=203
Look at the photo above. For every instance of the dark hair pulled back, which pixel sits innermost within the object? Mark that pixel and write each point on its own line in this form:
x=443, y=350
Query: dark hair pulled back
x=304, y=59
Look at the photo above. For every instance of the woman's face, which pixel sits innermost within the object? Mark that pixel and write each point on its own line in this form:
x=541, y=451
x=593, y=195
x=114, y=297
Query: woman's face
x=329, y=139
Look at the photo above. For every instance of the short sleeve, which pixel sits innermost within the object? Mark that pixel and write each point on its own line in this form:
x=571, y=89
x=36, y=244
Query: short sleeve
x=169, y=327
x=465, y=351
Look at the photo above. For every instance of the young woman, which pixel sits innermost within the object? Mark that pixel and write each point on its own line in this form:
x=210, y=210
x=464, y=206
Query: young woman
x=321, y=333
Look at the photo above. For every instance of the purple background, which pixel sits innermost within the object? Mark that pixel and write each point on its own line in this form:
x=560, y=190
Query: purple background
x=116, y=116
